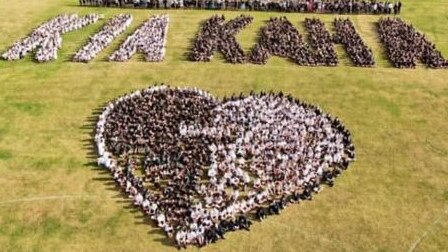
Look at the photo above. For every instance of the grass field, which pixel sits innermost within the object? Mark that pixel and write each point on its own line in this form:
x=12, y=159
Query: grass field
x=54, y=198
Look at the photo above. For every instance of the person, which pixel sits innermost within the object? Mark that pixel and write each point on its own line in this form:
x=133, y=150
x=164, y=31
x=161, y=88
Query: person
x=181, y=239
x=274, y=209
x=260, y=214
x=243, y=223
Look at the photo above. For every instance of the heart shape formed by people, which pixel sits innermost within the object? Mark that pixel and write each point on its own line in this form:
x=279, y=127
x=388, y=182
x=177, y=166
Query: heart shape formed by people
x=200, y=166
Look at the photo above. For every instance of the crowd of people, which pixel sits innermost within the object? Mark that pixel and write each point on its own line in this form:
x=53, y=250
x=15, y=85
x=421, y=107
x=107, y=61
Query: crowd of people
x=46, y=39
x=360, y=54
x=216, y=35
x=211, y=166
x=354, y=6
x=149, y=39
x=404, y=45
x=310, y=6
x=102, y=39
x=280, y=38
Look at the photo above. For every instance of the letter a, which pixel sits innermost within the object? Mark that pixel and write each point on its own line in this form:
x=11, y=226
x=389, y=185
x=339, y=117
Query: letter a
x=280, y=38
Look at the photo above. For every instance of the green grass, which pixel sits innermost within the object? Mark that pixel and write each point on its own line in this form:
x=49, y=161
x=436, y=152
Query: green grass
x=393, y=194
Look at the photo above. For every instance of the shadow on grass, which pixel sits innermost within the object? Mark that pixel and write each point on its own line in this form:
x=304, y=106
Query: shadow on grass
x=164, y=239
x=187, y=55
x=89, y=143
